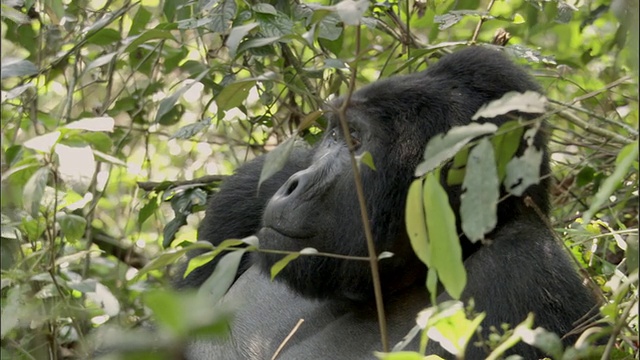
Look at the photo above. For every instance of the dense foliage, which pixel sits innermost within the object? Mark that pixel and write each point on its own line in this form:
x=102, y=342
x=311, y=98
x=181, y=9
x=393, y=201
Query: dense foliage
x=119, y=118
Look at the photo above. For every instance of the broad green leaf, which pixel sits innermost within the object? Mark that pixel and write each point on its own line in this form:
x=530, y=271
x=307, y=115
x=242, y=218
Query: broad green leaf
x=223, y=276
x=257, y=42
x=14, y=15
x=234, y=94
x=132, y=42
x=279, y=25
x=187, y=131
x=276, y=159
x=101, y=61
x=451, y=18
x=402, y=355
x=76, y=166
x=11, y=306
x=169, y=257
x=505, y=145
x=481, y=190
x=102, y=123
x=104, y=37
x=367, y=159
x=280, y=264
x=446, y=253
x=523, y=171
x=72, y=226
x=236, y=35
x=148, y=209
x=34, y=190
x=104, y=299
x=454, y=331
x=43, y=143
x=415, y=222
x=222, y=15
x=350, y=11
x=527, y=102
x=168, y=103
x=443, y=147
x=197, y=261
x=623, y=164
x=264, y=9
x=172, y=227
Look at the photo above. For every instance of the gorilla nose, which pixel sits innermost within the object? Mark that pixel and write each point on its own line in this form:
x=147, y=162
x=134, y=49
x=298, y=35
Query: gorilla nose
x=292, y=188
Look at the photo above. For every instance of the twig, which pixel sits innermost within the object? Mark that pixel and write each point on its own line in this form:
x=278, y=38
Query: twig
x=373, y=259
x=286, y=340
x=208, y=179
x=480, y=22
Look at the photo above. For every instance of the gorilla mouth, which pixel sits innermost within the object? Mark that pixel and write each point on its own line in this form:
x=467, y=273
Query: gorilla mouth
x=291, y=234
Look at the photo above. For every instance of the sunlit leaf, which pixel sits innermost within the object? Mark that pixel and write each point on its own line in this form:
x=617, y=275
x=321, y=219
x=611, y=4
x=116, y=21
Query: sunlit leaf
x=234, y=94
x=481, y=190
x=443, y=147
x=611, y=183
x=446, y=252
x=416, y=223
x=276, y=159
x=72, y=226
x=350, y=11
x=222, y=277
x=43, y=143
x=523, y=171
x=527, y=102
x=236, y=35
x=34, y=190
x=280, y=264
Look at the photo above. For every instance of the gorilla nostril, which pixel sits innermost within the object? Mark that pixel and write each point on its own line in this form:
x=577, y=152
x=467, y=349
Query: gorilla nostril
x=293, y=184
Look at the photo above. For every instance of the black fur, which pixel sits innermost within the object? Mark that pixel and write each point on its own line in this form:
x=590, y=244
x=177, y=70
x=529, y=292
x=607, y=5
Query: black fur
x=312, y=203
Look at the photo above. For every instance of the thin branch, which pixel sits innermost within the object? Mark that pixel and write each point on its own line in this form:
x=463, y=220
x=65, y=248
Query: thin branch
x=476, y=32
x=373, y=258
x=205, y=180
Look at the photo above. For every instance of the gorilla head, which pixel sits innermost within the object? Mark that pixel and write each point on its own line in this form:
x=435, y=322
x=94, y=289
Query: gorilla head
x=392, y=119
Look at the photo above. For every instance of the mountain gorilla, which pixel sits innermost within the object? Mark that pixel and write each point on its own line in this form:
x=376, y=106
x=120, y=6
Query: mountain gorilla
x=312, y=202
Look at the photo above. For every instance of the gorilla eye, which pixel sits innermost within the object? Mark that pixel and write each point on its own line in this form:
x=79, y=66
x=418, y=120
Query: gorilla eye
x=334, y=135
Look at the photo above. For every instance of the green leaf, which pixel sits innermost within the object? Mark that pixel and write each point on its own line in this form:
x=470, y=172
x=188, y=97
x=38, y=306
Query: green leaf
x=43, y=143
x=367, y=159
x=276, y=159
x=279, y=25
x=280, y=264
x=148, y=209
x=104, y=37
x=481, y=190
x=505, y=145
x=172, y=227
x=523, y=171
x=415, y=222
x=101, y=61
x=223, y=276
x=34, y=190
x=204, y=258
x=190, y=130
x=236, y=35
x=350, y=11
x=132, y=42
x=264, y=9
x=167, y=104
x=443, y=147
x=610, y=184
x=14, y=15
x=446, y=253
x=234, y=94
x=222, y=16
x=169, y=257
x=72, y=226
x=11, y=306
x=17, y=68
x=527, y=102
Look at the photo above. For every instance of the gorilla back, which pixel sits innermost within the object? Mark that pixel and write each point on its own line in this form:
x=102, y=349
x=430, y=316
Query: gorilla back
x=312, y=202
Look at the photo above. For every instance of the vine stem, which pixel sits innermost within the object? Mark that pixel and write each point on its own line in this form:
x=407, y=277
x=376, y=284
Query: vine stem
x=480, y=22
x=373, y=258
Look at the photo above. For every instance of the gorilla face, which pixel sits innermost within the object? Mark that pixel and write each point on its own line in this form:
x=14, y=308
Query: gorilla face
x=392, y=119
x=318, y=206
